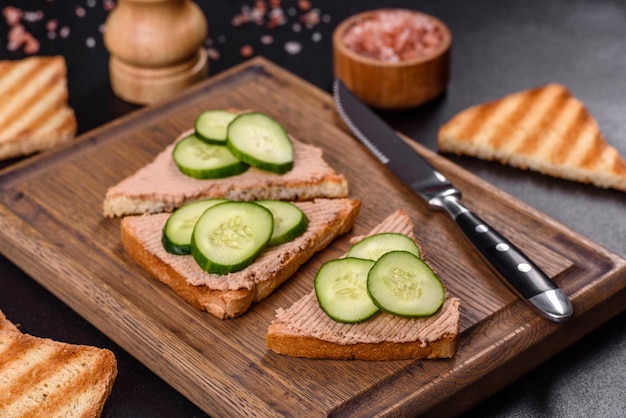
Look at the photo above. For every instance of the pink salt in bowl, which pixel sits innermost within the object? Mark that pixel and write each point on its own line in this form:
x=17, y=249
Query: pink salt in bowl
x=393, y=58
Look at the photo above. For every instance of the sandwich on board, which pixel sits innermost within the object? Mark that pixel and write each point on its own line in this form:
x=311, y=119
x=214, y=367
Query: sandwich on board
x=161, y=187
x=230, y=295
x=306, y=330
x=545, y=129
x=34, y=113
x=183, y=175
x=40, y=377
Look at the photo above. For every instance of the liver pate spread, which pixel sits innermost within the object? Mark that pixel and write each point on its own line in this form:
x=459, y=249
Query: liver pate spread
x=306, y=318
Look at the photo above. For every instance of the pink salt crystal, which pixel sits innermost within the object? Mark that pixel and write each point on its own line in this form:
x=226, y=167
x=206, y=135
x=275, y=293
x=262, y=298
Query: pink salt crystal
x=394, y=35
x=13, y=15
x=33, y=16
x=64, y=32
x=108, y=5
x=80, y=11
x=213, y=54
x=246, y=51
x=293, y=47
x=267, y=39
x=52, y=24
x=16, y=37
x=31, y=44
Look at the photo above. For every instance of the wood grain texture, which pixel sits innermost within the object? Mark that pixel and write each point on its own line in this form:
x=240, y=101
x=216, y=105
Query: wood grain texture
x=51, y=225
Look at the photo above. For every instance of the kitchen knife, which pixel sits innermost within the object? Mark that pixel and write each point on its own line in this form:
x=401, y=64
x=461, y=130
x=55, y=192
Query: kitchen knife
x=517, y=270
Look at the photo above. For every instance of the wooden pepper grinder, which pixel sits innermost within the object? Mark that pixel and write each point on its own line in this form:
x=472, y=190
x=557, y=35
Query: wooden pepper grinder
x=155, y=48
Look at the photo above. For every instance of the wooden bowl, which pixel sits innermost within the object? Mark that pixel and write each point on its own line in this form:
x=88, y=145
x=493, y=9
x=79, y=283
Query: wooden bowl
x=393, y=85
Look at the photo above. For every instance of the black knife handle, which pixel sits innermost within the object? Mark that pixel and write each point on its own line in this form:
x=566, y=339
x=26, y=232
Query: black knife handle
x=506, y=258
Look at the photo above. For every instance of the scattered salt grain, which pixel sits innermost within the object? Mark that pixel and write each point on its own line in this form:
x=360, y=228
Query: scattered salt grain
x=90, y=42
x=52, y=24
x=246, y=51
x=80, y=11
x=108, y=5
x=267, y=39
x=213, y=54
x=33, y=16
x=316, y=37
x=64, y=32
x=293, y=47
x=91, y=3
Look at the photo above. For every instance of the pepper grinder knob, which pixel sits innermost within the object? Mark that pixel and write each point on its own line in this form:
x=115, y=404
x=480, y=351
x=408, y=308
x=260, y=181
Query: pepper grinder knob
x=155, y=48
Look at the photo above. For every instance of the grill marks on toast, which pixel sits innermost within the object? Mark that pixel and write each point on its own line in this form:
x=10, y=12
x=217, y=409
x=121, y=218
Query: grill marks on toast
x=33, y=105
x=43, y=377
x=545, y=129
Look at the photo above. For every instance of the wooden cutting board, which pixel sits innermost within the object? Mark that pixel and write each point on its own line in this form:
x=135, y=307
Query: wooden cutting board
x=51, y=225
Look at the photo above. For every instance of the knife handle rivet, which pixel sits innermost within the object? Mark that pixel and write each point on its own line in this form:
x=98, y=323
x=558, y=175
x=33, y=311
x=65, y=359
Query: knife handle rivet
x=502, y=247
x=482, y=228
x=524, y=267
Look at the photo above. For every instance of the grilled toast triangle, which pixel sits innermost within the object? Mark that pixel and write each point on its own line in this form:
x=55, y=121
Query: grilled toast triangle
x=545, y=129
x=40, y=377
x=34, y=110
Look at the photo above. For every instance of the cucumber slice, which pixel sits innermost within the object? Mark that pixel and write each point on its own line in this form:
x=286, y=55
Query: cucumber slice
x=228, y=237
x=341, y=290
x=261, y=142
x=374, y=246
x=402, y=284
x=200, y=160
x=289, y=221
x=177, y=231
x=212, y=125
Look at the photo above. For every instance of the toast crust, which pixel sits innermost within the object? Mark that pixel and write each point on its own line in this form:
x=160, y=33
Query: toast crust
x=161, y=187
x=232, y=295
x=281, y=341
x=544, y=129
x=34, y=113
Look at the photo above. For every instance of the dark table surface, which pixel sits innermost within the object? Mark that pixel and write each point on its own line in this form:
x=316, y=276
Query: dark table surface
x=499, y=47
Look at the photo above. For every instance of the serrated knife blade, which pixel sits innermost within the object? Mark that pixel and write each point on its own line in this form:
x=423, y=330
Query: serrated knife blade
x=511, y=265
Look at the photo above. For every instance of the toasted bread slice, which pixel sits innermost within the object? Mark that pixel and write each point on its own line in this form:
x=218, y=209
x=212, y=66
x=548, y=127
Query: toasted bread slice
x=304, y=330
x=34, y=110
x=161, y=187
x=6, y=325
x=228, y=296
x=544, y=129
x=40, y=377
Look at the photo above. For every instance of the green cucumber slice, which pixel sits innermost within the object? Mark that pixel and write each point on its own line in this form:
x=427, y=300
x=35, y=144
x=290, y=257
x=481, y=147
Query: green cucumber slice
x=260, y=141
x=200, y=160
x=228, y=237
x=212, y=125
x=341, y=290
x=289, y=221
x=374, y=246
x=402, y=284
x=177, y=231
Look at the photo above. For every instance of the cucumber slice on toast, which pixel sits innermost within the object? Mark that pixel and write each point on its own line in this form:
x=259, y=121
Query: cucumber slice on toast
x=289, y=221
x=178, y=229
x=260, y=141
x=341, y=290
x=374, y=246
x=402, y=284
x=229, y=236
x=212, y=125
x=200, y=160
